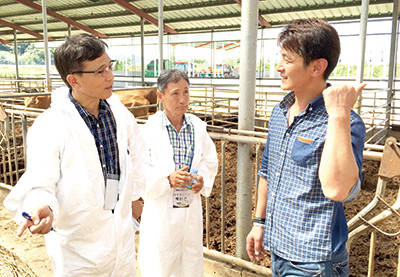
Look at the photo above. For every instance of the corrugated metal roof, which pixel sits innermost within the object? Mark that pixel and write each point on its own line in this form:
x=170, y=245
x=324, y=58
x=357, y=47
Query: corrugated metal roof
x=183, y=16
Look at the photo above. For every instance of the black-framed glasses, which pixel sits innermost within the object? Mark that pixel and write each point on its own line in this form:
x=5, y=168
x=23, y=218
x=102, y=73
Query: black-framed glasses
x=100, y=72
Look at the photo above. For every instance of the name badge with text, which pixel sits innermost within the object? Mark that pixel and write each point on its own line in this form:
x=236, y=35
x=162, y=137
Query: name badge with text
x=111, y=192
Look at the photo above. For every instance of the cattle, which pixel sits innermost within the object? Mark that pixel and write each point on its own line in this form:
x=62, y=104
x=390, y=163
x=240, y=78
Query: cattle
x=40, y=102
x=149, y=93
x=131, y=101
x=129, y=97
x=30, y=90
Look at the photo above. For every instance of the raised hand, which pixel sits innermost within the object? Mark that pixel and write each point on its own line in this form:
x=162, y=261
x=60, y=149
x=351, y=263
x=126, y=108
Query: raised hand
x=340, y=99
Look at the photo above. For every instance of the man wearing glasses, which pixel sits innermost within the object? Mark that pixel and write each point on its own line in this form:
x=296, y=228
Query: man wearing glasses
x=83, y=169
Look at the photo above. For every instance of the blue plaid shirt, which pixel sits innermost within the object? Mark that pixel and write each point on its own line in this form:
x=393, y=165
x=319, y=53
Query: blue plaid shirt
x=301, y=223
x=104, y=131
x=182, y=142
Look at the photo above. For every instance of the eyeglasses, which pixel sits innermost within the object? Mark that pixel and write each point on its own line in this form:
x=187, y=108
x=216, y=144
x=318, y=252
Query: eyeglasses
x=100, y=72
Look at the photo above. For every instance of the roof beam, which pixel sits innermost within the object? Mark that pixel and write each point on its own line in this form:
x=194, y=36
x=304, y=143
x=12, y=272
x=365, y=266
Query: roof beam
x=228, y=44
x=62, y=18
x=264, y=23
x=3, y=41
x=317, y=7
x=219, y=28
x=261, y=20
x=20, y=28
x=105, y=5
x=197, y=29
x=203, y=44
x=6, y=32
x=196, y=5
x=142, y=14
x=233, y=47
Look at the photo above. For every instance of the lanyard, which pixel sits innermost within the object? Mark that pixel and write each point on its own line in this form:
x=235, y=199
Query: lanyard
x=108, y=156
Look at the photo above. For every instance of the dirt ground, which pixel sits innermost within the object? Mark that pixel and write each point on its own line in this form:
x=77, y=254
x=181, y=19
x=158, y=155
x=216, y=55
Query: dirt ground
x=387, y=248
x=30, y=249
x=25, y=256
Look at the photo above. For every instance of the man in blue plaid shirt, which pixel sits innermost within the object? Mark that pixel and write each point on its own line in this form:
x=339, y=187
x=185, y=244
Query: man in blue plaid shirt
x=312, y=160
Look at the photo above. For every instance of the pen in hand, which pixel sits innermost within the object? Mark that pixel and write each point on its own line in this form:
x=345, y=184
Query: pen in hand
x=28, y=217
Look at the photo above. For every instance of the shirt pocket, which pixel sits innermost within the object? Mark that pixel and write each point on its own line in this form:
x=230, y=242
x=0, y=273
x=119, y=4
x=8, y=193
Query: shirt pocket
x=303, y=150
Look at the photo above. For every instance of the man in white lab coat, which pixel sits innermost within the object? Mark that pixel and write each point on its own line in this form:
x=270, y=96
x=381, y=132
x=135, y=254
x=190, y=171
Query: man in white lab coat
x=181, y=164
x=84, y=157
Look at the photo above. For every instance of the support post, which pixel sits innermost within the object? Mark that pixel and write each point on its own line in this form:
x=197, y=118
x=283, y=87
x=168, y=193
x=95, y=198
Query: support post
x=142, y=48
x=160, y=35
x=363, y=36
x=16, y=59
x=392, y=63
x=46, y=46
x=247, y=86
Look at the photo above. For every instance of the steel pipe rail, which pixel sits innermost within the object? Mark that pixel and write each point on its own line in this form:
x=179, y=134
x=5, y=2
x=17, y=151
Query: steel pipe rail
x=240, y=132
x=258, y=269
x=236, y=138
x=358, y=225
x=374, y=221
x=20, y=95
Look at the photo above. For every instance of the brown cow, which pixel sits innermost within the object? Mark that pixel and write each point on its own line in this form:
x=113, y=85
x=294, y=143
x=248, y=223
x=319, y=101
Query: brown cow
x=40, y=102
x=149, y=93
x=131, y=101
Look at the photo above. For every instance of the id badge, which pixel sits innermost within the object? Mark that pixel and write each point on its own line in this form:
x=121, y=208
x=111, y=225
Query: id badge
x=181, y=198
x=111, y=191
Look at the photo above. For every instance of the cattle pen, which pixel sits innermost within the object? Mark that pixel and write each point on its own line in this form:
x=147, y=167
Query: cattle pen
x=218, y=106
x=236, y=104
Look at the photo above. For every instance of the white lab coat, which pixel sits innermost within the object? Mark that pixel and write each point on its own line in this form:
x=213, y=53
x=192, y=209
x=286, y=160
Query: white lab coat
x=64, y=172
x=171, y=239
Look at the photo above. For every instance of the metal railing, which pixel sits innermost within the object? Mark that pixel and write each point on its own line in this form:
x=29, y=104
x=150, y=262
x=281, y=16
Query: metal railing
x=18, y=118
x=359, y=224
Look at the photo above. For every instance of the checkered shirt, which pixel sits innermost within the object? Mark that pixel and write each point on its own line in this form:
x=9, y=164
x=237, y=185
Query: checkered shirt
x=106, y=130
x=182, y=142
x=301, y=223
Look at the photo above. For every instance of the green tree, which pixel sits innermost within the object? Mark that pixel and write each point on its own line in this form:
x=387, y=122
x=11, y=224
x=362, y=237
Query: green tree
x=6, y=48
x=23, y=47
x=263, y=66
x=199, y=61
x=32, y=55
x=377, y=71
x=119, y=66
x=353, y=71
x=6, y=57
x=341, y=70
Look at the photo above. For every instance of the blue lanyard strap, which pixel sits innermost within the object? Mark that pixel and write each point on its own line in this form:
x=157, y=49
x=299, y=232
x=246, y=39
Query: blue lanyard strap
x=89, y=119
x=108, y=156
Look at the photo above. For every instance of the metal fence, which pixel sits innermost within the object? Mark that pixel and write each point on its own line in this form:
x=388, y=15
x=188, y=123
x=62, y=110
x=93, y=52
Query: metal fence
x=219, y=107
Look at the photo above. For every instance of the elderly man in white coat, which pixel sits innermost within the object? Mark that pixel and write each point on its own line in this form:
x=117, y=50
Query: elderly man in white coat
x=84, y=157
x=181, y=164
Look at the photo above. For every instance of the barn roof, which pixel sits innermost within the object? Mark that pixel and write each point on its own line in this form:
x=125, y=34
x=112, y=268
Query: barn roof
x=122, y=18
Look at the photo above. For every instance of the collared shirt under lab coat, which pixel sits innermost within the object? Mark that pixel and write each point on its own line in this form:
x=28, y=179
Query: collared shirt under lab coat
x=171, y=239
x=64, y=171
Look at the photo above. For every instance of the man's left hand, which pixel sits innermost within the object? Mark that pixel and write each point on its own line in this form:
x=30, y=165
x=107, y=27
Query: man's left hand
x=200, y=183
